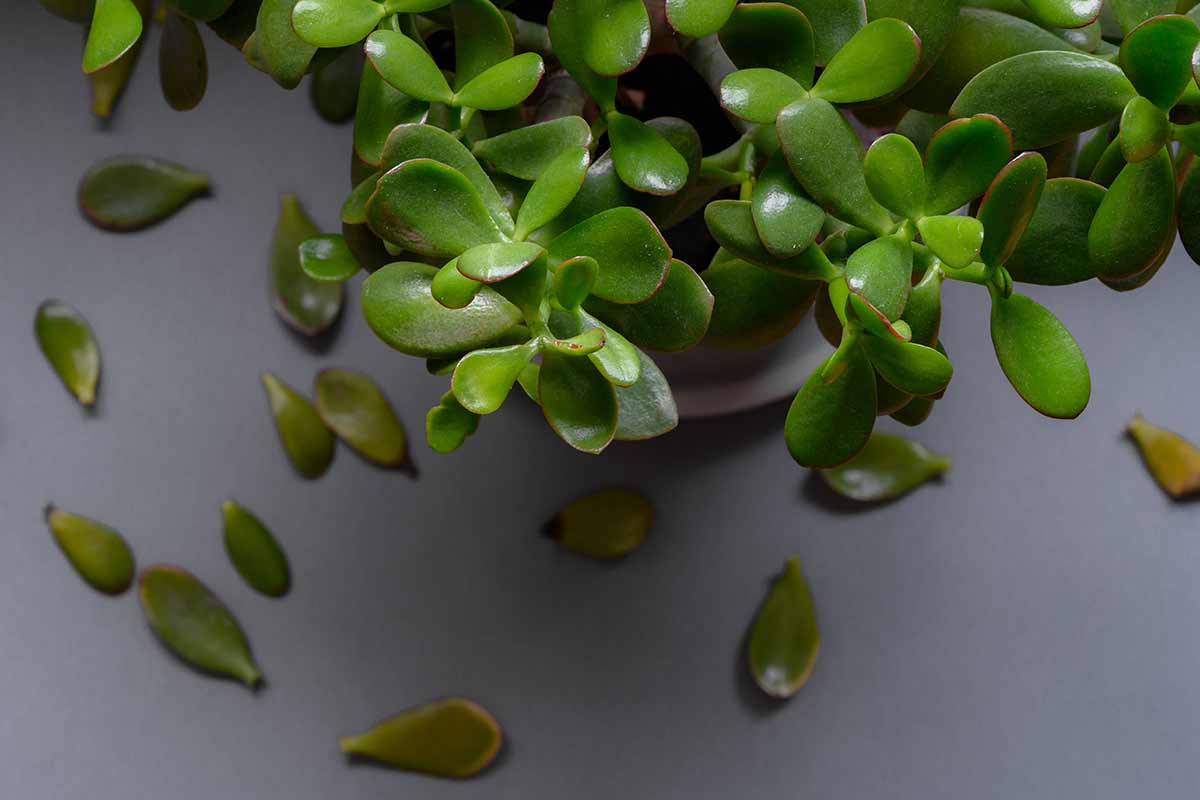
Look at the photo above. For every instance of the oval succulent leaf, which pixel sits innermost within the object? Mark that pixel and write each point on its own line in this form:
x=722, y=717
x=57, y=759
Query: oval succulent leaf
x=483, y=378
x=1134, y=225
x=888, y=467
x=828, y=423
x=116, y=27
x=505, y=85
x=379, y=109
x=616, y=358
x=334, y=86
x=644, y=160
x=697, y=18
x=127, y=193
x=1131, y=13
x=67, y=342
x=1173, y=461
x=109, y=83
x=553, y=191
x=616, y=34
x=962, y=159
x=647, y=408
x=451, y=738
x=482, y=38
x=353, y=407
x=753, y=307
x=784, y=639
x=283, y=54
x=1145, y=129
x=772, y=35
x=875, y=62
x=306, y=440
x=195, y=625
x=1009, y=205
x=182, y=62
x=758, y=94
x=933, y=21
x=607, y=524
x=632, y=255
x=99, y=554
x=1039, y=357
x=579, y=403
x=1157, y=58
x=336, y=23
x=1065, y=13
x=570, y=34
x=896, y=176
x=254, y=551
x=834, y=22
x=675, y=318
x=1054, y=248
x=786, y=218
x=574, y=280
x=328, y=259
x=881, y=272
x=912, y=368
x=308, y=306
x=526, y=152
x=405, y=65
x=492, y=263
x=955, y=240
x=448, y=424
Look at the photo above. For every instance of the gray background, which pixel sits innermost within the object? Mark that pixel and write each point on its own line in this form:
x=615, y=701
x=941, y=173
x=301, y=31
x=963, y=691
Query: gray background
x=1027, y=628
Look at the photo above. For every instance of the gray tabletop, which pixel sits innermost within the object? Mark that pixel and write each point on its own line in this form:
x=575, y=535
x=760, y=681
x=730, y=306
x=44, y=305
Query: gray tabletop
x=1025, y=629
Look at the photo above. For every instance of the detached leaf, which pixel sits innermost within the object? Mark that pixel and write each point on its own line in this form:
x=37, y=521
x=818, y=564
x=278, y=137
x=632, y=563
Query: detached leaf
x=876, y=61
x=1134, y=225
x=888, y=467
x=99, y=554
x=1173, y=461
x=452, y=738
x=336, y=23
x=896, y=176
x=1157, y=58
x=772, y=35
x=784, y=639
x=67, y=342
x=962, y=159
x=127, y=193
x=1039, y=357
x=955, y=240
x=503, y=86
x=483, y=378
x=327, y=258
x=828, y=423
x=579, y=403
x=405, y=65
x=617, y=33
x=1054, y=248
x=644, y=160
x=632, y=254
x=448, y=424
x=1009, y=205
x=116, y=27
x=675, y=318
x=607, y=524
x=254, y=552
x=698, y=18
x=353, y=407
x=525, y=152
x=195, y=625
x=306, y=440
x=308, y=306
x=758, y=95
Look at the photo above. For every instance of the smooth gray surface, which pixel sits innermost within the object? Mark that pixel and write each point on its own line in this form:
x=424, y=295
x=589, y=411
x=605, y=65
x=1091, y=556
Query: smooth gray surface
x=1027, y=629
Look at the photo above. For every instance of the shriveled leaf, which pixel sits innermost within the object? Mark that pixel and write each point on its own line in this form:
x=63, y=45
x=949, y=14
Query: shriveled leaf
x=1173, y=461
x=452, y=738
x=448, y=424
x=607, y=524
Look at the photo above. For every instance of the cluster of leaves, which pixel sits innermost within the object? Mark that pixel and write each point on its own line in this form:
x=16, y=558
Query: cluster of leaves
x=509, y=247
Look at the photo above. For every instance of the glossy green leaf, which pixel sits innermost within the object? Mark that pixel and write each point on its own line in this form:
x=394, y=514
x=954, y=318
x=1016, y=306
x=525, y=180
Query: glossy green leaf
x=828, y=423
x=934, y=21
x=607, y=524
x=786, y=218
x=1039, y=356
x=771, y=35
x=99, y=554
x=632, y=254
x=448, y=424
x=195, y=625
x=826, y=156
x=1145, y=129
x=354, y=408
x=182, y=62
x=579, y=403
x=784, y=639
x=1132, y=13
x=334, y=86
x=731, y=223
x=492, y=263
x=379, y=109
x=451, y=738
x=896, y=176
x=526, y=152
x=1134, y=225
x=675, y=318
x=1009, y=205
x=753, y=307
x=109, y=83
x=876, y=61
x=553, y=191
x=1065, y=13
x=1044, y=97
x=306, y=440
x=697, y=18
x=327, y=258
x=644, y=160
x=758, y=95
x=453, y=289
x=923, y=311
x=881, y=272
x=67, y=342
x=570, y=34
x=284, y=54
x=308, y=306
x=116, y=27
x=617, y=359
x=483, y=378
x=126, y=193
x=574, y=280
x=482, y=38
x=616, y=34
x=962, y=159
x=834, y=22
x=254, y=551
x=912, y=368
x=1157, y=58
x=1172, y=460
x=647, y=408
x=336, y=23
x=405, y=65
x=888, y=467
x=503, y=86
x=955, y=240
x=1109, y=166
x=1054, y=248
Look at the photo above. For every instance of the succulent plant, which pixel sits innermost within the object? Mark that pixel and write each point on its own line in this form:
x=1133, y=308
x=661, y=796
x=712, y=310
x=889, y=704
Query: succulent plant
x=510, y=201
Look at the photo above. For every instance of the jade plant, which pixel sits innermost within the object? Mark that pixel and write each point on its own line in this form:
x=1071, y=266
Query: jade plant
x=514, y=207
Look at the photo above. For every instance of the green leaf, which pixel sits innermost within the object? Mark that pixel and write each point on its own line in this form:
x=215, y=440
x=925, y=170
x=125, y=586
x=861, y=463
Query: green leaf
x=99, y=554
x=482, y=39
x=771, y=35
x=116, y=27
x=731, y=223
x=784, y=639
x=753, y=307
x=503, y=86
x=923, y=311
x=1044, y=97
x=574, y=280
x=109, y=83
x=579, y=403
x=644, y=160
x=828, y=423
x=826, y=156
x=182, y=62
x=834, y=22
x=306, y=440
x=526, y=152
x=1189, y=211
x=570, y=35
x=888, y=467
x=453, y=289
x=585, y=344
x=881, y=272
x=327, y=258
x=934, y=21
x=1145, y=129
x=962, y=159
x=67, y=342
x=786, y=218
x=632, y=254
x=607, y=524
x=915, y=412
x=400, y=309
x=876, y=61
x=1157, y=58
x=896, y=176
x=334, y=86
x=195, y=625
x=492, y=263
x=354, y=209
x=911, y=368
x=955, y=240
x=354, y=408
x=1040, y=357
x=1009, y=205
x=1054, y=248
x=1172, y=460
x=450, y=219
x=451, y=738
x=448, y=424
x=553, y=191
x=126, y=193
x=336, y=23
x=758, y=95
x=405, y=65
x=284, y=54
x=1134, y=225
x=698, y=18
x=675, y=318
x=1132, y=13
x=254, y=551
x=379, y=109
x=647, y=408
x=616, y=34
x=1066, y=13
x=483, y=378
x=308, y=306
x=617, y=359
